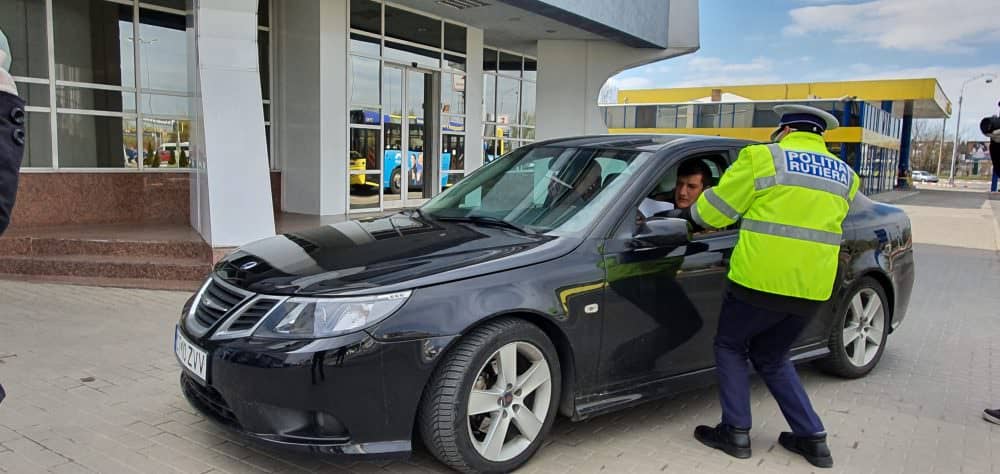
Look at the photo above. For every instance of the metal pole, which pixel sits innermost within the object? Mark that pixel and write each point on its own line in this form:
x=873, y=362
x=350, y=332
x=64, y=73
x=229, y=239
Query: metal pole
x=954, y=147
x=944, y=123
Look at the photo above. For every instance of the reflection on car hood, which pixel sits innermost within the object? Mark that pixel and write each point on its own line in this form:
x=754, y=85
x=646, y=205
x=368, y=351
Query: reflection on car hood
x=384, y=254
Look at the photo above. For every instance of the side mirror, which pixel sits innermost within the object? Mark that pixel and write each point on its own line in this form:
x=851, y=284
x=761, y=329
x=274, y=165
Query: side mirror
x=662, y=232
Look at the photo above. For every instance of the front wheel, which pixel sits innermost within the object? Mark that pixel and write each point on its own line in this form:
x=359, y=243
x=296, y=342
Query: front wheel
x=493, y=399
x=396, y=181
x=859, y=334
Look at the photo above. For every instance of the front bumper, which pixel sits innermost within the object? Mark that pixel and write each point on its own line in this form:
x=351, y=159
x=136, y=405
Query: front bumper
x=349, y=395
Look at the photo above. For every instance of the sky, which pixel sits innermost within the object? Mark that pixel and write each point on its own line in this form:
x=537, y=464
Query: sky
x=768, y=41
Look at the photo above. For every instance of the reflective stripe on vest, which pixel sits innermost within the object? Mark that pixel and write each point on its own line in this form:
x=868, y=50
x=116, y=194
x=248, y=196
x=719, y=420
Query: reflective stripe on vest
x=803, y=179
x=722, y=206
x=790, y=231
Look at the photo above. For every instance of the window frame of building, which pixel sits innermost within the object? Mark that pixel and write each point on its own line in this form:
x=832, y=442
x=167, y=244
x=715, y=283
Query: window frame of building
x=513, y=134
x=448, y=63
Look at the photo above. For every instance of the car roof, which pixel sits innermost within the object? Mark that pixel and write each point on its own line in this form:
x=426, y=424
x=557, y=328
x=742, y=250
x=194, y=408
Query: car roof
x=641, y=142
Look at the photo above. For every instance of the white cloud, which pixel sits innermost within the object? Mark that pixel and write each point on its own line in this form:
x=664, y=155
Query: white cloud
x=907, y=25
x=709, y=64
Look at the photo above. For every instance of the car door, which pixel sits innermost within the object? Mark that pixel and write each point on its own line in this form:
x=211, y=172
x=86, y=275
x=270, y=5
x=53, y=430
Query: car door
x=662, y=304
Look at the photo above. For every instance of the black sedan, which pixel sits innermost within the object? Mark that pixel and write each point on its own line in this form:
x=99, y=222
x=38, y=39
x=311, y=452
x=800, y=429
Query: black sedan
x=534, y=287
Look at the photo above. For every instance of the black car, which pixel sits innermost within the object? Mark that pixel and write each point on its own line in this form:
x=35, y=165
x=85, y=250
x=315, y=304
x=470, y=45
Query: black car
x=533, y=287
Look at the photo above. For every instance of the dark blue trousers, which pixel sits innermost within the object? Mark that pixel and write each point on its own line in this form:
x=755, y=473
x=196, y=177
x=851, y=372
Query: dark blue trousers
x=765, y=337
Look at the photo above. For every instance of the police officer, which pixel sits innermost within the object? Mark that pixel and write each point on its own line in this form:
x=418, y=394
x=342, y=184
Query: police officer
x=11, y=136
x=792, y=196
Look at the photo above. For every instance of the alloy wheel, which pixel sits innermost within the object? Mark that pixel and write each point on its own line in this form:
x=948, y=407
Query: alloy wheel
x=509, y=402
x=863, y=327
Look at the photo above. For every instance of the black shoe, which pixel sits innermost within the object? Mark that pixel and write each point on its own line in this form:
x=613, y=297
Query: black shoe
x=992, y=416
x=732, y=441
x=813, y=448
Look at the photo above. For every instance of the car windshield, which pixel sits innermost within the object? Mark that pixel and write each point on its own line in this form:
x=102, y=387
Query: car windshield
x=545, y=189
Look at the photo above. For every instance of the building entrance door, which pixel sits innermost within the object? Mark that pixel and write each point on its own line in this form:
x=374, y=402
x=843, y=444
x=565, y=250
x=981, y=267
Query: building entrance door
x=411, y=166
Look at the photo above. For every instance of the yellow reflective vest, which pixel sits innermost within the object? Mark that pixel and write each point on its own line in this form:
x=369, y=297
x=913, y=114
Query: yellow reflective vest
x=793, y=197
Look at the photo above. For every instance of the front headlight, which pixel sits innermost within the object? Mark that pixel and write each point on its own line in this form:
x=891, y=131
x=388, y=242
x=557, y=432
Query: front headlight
x=309, y=318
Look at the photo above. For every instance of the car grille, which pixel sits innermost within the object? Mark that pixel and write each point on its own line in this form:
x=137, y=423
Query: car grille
x=249, y=317
x=215, y=302
x=209, y=401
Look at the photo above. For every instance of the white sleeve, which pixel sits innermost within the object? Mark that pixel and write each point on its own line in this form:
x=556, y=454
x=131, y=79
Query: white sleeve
x=648, y=207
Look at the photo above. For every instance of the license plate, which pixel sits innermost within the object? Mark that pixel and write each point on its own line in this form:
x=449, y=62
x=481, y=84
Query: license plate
x=190, y=356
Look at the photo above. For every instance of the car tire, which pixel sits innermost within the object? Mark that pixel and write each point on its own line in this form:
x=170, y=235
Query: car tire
x=855, y=331
x=395, y=181
x=476, y=364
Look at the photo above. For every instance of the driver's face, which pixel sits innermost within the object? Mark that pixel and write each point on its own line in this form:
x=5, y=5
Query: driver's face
x=688, y=190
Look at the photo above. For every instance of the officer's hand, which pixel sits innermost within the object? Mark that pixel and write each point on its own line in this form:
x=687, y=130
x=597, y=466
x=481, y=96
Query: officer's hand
x=6, y=81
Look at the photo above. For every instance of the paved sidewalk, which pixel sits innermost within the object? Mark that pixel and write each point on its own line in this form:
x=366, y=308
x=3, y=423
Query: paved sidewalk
x=92, y=386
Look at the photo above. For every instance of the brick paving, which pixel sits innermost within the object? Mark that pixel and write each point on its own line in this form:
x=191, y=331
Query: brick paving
x=92, y=387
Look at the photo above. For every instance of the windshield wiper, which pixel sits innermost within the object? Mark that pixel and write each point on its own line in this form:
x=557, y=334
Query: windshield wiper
x=487, y=220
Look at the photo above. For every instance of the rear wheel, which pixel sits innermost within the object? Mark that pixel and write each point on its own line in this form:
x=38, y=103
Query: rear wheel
x=858, y=338
x=493, y=399
x=396, y=181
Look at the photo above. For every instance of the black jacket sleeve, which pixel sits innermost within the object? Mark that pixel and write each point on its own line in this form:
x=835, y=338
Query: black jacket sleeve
x=12, y=120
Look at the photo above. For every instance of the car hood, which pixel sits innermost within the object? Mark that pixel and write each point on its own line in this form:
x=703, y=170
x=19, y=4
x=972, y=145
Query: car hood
x=382, y=255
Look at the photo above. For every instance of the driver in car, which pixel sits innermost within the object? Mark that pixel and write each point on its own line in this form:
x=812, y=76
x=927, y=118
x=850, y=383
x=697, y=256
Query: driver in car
x=693, y=177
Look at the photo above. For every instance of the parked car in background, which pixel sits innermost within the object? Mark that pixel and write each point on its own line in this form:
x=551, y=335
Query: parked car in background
x=924, y=177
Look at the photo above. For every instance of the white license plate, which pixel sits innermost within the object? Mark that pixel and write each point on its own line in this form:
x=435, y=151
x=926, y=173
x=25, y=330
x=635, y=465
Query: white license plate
x=190, y=356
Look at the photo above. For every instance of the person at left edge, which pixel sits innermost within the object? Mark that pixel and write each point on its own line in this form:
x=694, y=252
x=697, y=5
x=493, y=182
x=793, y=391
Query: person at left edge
x=12, y=120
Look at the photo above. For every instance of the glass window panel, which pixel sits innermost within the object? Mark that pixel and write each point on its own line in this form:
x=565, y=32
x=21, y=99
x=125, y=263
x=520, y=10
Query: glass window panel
x=366, y=15
x=453, y=179
x=412, y=27
x=264, y=53
x=168, y=139
x=528, y=133
x=530, y=69
x=489, y=60
x=165, y=104
x=263, y=13
x=708, y=116
x=407, y=54
x=666, y=116
x=451, y=124
x=489, y=150
x=489, y=130
x=645, y=116
x=630, y=116
x=454, y=38
x=94, y=99
x=23, y=21
x=164, y=51
x=364, y=144
x=93, y=42
x=365, y=44
x=508, y=95
x=764, y=116
x=364, y=81
x=527, y=103
x=87, y=141
x=34, y=94
x=38, y=141
x=743, y=116
x=453, y=152
x=454, y=62
x=510, y=64
x=615, y=117
x=364, y=191
x=682, y=116
x=365, y=116
x=489, y=98
x=452, y=94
